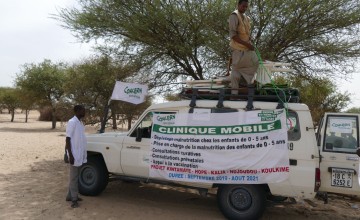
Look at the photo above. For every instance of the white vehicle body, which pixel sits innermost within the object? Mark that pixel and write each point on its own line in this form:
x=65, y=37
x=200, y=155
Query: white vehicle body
x=311, y=156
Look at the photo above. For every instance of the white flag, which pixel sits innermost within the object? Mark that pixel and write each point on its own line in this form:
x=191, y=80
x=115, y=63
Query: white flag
x=129, y=92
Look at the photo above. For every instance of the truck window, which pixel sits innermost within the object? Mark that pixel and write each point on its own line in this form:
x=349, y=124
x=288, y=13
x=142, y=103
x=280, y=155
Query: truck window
x=293, y=125
x=341, y=134
x=146, y=124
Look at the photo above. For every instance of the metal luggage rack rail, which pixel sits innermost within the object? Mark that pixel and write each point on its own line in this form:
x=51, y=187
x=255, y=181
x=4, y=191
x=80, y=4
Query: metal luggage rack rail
x=282, y=95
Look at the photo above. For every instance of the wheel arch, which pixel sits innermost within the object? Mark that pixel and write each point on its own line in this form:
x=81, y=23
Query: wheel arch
x=265, y=186
x=99, y=155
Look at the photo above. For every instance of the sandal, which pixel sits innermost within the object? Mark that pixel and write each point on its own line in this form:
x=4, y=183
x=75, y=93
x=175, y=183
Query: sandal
x=74, y=204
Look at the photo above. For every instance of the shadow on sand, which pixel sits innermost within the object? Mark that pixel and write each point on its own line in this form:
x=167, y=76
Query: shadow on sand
x=39, y=193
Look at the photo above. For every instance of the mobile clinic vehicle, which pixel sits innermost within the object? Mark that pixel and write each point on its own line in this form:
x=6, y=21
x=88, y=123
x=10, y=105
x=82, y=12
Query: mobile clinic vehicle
x=152, y=151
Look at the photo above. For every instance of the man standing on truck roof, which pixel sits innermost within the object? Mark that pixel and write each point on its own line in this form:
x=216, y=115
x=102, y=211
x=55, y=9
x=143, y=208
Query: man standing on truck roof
x=244, y=59
x=76, y=150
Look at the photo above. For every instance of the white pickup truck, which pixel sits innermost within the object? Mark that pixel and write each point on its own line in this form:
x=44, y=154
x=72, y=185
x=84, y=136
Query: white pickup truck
x=323, y=161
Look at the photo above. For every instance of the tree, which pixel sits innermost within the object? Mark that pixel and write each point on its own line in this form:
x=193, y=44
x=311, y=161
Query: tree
x=354, y=110
x=190, y=38
x=26, y=102
x=9, y=99
x=171, y=36
x=91, y=82
x=45, y=81
x=172, y=97
x=319, y=37
x=2, y=89
x=129, y=112
x=320, y=95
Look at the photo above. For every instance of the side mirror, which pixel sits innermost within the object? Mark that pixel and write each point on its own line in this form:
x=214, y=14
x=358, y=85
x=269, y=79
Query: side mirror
x=138, y=134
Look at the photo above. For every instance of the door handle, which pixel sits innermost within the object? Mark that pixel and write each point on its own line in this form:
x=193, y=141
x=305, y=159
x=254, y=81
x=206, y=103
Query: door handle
x=320, y=157
x=332, y=158
x=354, y=158
x=133, y=147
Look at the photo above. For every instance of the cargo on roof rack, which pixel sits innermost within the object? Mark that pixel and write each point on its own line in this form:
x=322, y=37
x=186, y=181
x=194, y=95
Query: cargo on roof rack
x=262, y=88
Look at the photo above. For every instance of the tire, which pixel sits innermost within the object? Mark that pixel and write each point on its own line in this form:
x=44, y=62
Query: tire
x=241, y=201
x=93, y=176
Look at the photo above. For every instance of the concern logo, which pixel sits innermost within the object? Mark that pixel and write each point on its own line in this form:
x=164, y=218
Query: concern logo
x=133, y=91
x=166, y=119
x=269, y=115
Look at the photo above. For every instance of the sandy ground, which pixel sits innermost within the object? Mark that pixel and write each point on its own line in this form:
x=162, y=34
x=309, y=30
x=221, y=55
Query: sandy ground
x=33, y=185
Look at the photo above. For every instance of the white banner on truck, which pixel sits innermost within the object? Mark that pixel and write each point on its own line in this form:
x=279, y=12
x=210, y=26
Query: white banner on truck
x=239, y=147
x=129, y=92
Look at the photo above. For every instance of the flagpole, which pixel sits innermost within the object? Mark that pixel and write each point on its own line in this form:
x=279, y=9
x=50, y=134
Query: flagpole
x=104, y=119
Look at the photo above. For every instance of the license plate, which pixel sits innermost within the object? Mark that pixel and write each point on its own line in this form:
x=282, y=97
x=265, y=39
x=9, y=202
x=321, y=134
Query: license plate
x=342, y=177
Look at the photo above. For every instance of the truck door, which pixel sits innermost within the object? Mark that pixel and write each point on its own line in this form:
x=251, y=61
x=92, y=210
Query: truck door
x=338, y=139
x=134, y=157
x=135, y=154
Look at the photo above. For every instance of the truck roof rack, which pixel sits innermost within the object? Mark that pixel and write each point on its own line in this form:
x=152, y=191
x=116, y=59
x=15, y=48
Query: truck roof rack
x=249, y=94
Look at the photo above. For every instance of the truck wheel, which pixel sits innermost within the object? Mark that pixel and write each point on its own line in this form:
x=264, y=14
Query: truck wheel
x=93, y=176
x=241, y=201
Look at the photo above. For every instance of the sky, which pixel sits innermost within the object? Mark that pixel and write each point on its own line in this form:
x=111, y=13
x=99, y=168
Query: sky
x=29, y=35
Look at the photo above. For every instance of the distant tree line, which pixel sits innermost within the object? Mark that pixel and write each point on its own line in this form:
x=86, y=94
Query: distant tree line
x=54, y=88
